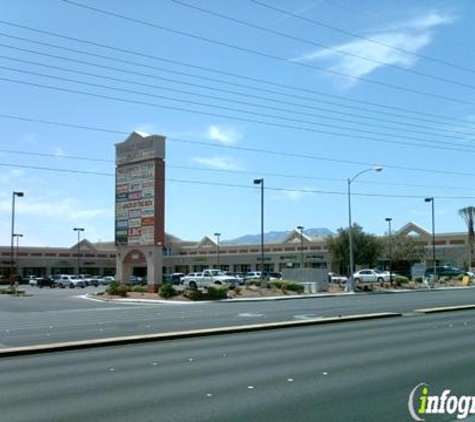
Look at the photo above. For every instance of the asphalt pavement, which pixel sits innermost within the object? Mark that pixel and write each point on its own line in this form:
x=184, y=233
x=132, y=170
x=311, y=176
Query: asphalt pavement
x=54, y=315
x=357, y=371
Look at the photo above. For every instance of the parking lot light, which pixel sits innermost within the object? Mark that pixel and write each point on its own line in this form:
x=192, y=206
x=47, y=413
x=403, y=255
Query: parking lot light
x=79, y=230
x=351, y=280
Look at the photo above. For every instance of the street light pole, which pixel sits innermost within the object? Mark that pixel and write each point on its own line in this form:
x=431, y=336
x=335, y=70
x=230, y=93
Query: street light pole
x=389, y=219
x=433, y=235
x=351, y=280
x=301, y=245
x=79, y=230
x=217, y=249
x=17, y=235
x=261, y=182
x=14, y=195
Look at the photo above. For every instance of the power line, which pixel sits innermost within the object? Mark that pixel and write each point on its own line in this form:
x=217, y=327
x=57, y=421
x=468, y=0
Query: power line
x=221, y=72
x=247, y=149
x=270, y=56
x=361, y=37
x=135, y=82
x=233, y=117
x=322, y=46
x=429, y=143
x=232, y=171
x=206, y=183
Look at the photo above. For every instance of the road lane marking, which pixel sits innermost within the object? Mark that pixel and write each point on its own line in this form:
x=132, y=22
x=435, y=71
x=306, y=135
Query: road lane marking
x=127, y=340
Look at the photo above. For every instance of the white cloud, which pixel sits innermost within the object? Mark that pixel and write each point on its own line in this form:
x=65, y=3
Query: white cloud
x=148, y=128
x=411, y=35
x=12, y=175
x=67, y=208
x=59, y=152
x=422, y=23
x=225, y=135
x=295, y=195
x=222, y=163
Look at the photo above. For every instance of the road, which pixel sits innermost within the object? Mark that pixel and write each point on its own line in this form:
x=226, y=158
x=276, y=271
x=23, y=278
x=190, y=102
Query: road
x=53, y=315
x=356, y=371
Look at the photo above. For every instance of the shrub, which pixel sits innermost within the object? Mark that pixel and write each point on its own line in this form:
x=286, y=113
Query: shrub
x=118, y=289
x=193, y=294
x=292, y=286
x=139, y=289
x=254, y=282
x=12, y=292
x=216, y=292
x=418, y=279
x=167, y=291
x=277, y=284
x=400, y=280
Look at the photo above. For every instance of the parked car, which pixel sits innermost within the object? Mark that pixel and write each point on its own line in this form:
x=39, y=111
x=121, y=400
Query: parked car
x=92, y=280
x=371, y=276
x=337, y=279
x=444, y=271
x=188, y=277
x=251, y=275
x=210, y=277
x=275, y=276
x=241, y=277
x=136, y=281
x=46, y=281
x=104, y=281
x=70, y=281
x=175, y=278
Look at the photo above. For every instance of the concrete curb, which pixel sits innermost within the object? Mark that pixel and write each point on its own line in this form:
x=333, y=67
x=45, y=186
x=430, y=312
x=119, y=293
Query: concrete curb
x=273, y=298
x=116, y=341
x=444, y=309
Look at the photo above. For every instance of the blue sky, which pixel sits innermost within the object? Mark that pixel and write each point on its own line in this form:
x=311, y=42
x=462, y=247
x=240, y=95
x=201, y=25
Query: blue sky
x=304, y=94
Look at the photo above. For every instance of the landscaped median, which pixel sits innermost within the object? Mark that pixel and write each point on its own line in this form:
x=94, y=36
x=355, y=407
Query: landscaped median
x=117, y=341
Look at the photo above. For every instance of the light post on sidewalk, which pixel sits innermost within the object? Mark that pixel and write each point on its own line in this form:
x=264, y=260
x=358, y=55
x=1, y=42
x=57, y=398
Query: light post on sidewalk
x=17, y=235
x=79, y=230
x=389, y=219
x=217, y=249
x=301, y=245
x=351, y=280
x=261, y=182
x=14, y=195
x=433, y=236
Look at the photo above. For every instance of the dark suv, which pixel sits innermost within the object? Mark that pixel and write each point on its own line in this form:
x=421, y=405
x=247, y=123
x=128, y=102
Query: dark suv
x=46, y=282
x=444, y=271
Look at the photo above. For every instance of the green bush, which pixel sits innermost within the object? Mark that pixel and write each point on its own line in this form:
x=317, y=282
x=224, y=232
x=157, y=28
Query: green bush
x=216, y=292
x=292, y=286
x=418, y=279
x=167, y=291
x=400, y=280
x=117, y=289
x=254, y=282
x=193, y=294
x=140, y=289
x=277, y=284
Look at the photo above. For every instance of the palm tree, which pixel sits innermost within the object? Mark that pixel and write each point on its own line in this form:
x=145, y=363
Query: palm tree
x=468, y=214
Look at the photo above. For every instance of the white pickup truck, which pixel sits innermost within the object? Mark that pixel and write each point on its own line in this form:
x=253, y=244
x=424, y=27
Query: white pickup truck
x=208, y=278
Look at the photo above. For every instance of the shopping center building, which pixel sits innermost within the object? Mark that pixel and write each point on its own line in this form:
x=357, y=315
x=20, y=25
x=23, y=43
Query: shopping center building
x=142, y=248
x=191, y=256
